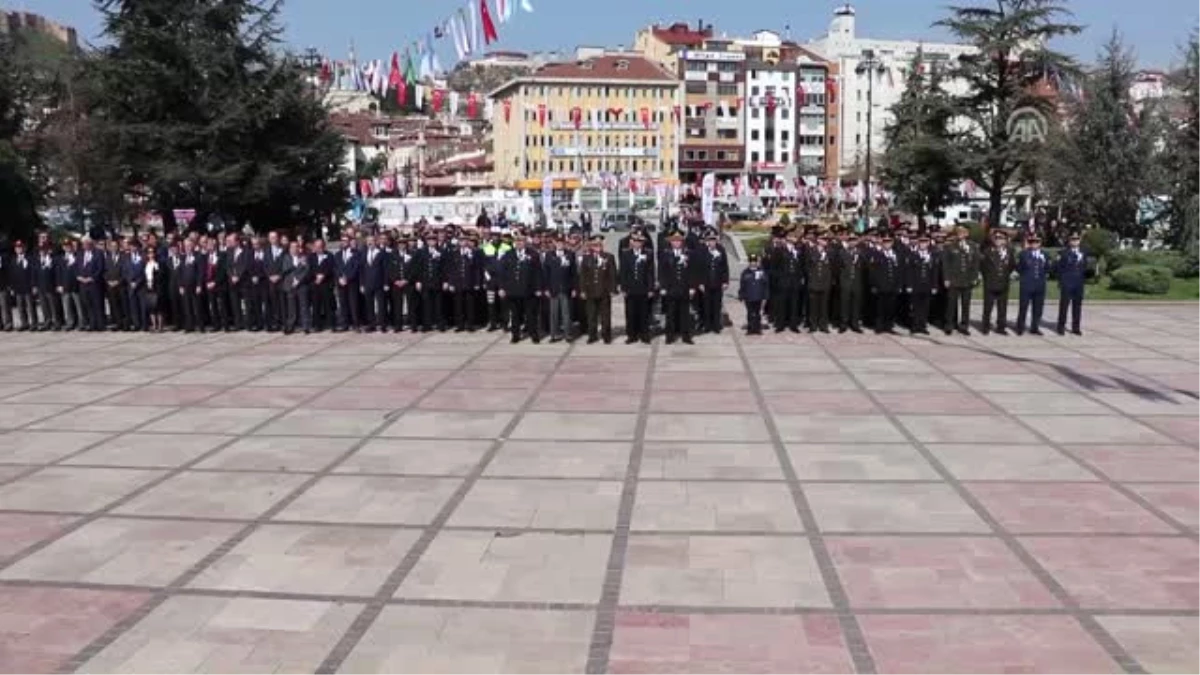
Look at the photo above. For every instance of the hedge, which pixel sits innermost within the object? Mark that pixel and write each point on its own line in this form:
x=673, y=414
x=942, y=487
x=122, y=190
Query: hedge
x=1181, y=266
x=1145, y=279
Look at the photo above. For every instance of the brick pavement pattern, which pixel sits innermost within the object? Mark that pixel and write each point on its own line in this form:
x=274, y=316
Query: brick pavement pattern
x=450, y=502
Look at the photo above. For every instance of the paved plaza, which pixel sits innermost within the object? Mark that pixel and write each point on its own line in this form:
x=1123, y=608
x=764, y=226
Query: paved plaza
x=451, y=502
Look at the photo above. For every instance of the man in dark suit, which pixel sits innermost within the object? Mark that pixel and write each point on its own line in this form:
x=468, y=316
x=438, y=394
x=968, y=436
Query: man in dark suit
x=520, y=286
x=68, y=287
x=296, y=277
x=463, y=275
x=787, y=270
x=257, y=285
x=133, y=276
x=921, y=282
x=559, y=275
x=215, y=286
x=637, y=281
x=960, y=271
x=1034, y=268
x=348, y=265
x=677, y=286
x=885, y=276
x=819, y=272
x=22, y=273
x=399, y=276
x=597, y=284
x=114, y=286
x=428, y=283
x=713, y=271
x=274, y=307
x=371, y=284
x=237, y=263
x=996, y=267
x=47, y=286
x=89, y=272
x=187, y=281
x=324, y=268
x=1072, y=274
x=850, y=265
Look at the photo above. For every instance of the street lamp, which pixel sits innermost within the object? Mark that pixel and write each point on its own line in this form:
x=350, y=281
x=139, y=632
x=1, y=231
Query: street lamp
x=870, y=66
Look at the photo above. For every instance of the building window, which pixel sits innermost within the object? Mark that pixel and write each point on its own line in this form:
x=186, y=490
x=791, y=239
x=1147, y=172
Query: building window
x=754, y=90
x=754, y=156
x=734, y=155
x=754, y=113
x=858, y=139
x=754, y=74
x=833, y=140
x=770, y=157
x=727, y=90
x=721, y=155
x=694, y=66
x=858, y=117
x=727, y=67
x=859, y=94
x=689, y=155
x=783, y=135
x=727, y=134
x=783, y=113
x=702, y=155
x=696, y=87
x=754, y=134
x=783, y=157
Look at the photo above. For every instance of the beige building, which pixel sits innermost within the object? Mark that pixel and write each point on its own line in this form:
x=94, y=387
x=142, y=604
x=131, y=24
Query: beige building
x=615, y=115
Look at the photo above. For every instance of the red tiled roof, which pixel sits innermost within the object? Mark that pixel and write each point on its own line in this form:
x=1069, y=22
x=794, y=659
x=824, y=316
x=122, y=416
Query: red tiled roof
x=614, y=67
x=682, y=34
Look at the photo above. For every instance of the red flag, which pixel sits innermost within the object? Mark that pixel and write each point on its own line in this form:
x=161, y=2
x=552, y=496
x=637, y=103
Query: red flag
x=472, y=105
x=799, y=94
x=542, y=114
x=394, y=75
x=616, y=112
x=645, y=117
x=401, y=92
x=675, y=110
x=830, y=91
x=770, y=102
x=364, y=187
x=577, y=116
x=438, y=96
x=507, y=109
x=489, y=28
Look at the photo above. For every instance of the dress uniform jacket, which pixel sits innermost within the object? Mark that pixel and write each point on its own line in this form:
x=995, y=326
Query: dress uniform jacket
x=428, y=270
x=558, y=274
x=597, y=275
x=960, y=264
x=921, y=272
x=885, y=272
x=996, y=266
x=787, y=266
x=819, y=270
x=637, y=272
x=399, y=267
x=1034, y=268
x=520, y=274
x=676, y=275
x=850, y=264
x=712, y=267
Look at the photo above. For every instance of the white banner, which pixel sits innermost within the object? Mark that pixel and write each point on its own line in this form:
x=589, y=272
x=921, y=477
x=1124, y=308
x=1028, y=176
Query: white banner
x=707, y=193
x=604, y=200
x=548, y=197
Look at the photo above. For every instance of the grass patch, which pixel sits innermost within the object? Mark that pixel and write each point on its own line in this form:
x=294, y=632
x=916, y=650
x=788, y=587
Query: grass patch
x=755, y=245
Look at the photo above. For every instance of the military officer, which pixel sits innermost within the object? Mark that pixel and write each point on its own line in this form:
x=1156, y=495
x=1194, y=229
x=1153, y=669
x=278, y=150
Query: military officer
x=787, y=268
x=885, y=278
x=819, y=271
x=921, y=282
x=520, y=286
x=677, y=287
x=597, y=284
x=850, y=264
x=1034, y=268
x=637, y=284
x=1071, y=268
x=960, y=270
x=713, y=273
x=996, y=267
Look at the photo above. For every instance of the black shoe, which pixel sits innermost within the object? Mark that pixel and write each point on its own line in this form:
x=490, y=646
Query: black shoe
x=514, y=340
x=608, y=341
x=794, y=330
x=688, y=341
x=964, y=331
x=1035, y=331
x=1060, y=331
x=555, y=339
x=671, y=340
x=460, y=329
x=307, y=331
x=825, y=330
x=985, y=330
x=646, y=340
x=592, y=339
x=537, y=340
x=857, y=329
x=1076, y=331
x=1001, y=332
x=630, y=340
x=779, y=330
x=841, y=329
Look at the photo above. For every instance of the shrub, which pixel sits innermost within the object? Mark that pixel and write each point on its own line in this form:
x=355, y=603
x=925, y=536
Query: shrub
x=1145, y=279
x=1181, y=266
x=785, y=220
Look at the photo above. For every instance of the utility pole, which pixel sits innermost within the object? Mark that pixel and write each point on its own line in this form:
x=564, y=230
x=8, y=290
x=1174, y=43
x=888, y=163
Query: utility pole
x=869, y=65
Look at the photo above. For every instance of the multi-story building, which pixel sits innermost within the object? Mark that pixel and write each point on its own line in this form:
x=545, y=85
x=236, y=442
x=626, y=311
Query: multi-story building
x=662, y=44
x=713, y=139
x=847, y=50
x=614, y=115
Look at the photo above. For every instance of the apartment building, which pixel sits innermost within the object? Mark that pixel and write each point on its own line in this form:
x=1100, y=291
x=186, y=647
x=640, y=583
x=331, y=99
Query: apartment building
x=713, y=140
x=616, y=115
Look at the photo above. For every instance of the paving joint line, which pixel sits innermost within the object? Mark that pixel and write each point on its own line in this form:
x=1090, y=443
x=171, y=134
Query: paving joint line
x=375, y=606
x=852, y=633
x=1056, y=589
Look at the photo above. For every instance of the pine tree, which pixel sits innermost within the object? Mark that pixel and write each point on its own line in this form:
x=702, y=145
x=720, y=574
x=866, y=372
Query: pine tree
x=920, y=163
x=19, y=196
x=205, y=113
x=1013, y=56
x=1182, y=165
x=1102, y=167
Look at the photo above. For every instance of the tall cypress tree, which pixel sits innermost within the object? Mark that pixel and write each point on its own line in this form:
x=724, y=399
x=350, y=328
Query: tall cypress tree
x=920, y=163
x=1183, y=152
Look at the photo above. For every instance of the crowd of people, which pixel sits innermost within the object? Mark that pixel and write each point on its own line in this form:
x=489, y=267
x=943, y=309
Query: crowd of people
x=534, y=283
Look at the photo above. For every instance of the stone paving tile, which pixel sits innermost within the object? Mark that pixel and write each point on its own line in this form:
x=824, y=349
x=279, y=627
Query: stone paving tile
x=451, y=399
x=882, y=507
x=727, y=643
x=1162, y=644
x=372, y=499
x=469, y=640
x=43, y=628
x=530, y=567
x=818, y=402
x=984, y=644
x=935, y=572
x=103, y=418
x=278, y=454
x=1180, y=429
x=705, y=427
x=933, y=403
x=1064, y=507
x=800, y=364
x=584, y=459
x=701, y=401
x=43, y=447
x=774, y=382
x=314, y=422
x=262, y=397
x=1140, y=463
x=1151, y=404
x=413, y=457
x=1122, y=572
x=301, y=377
x=826, y=428
x=978, y=461
x=213, y=495
x=601, y=378
x=965, y=429
x=64, y=489
x=692, y=506
x=212, y=420
x=124, y=551
x=429, y=424
x=199, y=634
x=551, y=504
x=70, y=394
x=1085, y=429
x=726, y=571
x=729, y=461
x=595, y=400
x=873, y=461
x=419, y=380
x=575, y=426
x=1018, y=383
x=700, y=381
x=172, y=395
x=14, y=415
x=1027, y=403
x=365, y=398
x=143, y=449
x=1181, y=502
x=906, y=382
x=317, y=559
x=19, y=531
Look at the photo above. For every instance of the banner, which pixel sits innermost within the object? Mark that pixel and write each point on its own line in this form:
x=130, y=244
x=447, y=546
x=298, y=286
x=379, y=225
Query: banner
x=707, y=194
x=547, y=197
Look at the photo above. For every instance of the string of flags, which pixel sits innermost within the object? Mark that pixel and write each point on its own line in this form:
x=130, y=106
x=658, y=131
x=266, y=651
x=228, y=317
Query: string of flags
x=410, y=72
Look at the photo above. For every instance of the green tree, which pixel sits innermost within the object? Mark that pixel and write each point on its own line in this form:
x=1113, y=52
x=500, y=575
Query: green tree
x=19, y=196
x=204, y=112
x=1012, y=58
x=1182, y=157
x=1103, y=164
x=920, y=164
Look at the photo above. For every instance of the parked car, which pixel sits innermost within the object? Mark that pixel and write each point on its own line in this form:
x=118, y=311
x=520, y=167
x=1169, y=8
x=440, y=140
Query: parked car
x=618, y=221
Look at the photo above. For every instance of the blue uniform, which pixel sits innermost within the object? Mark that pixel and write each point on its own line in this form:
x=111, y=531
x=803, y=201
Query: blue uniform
x=1034, y=268
x=1072, y=271
x=754, y=289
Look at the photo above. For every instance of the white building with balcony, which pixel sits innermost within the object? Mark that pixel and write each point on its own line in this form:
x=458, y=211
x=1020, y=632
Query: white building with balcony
x=842, y=45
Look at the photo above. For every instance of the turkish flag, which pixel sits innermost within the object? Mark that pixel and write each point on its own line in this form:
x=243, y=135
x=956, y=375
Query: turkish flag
x=830, y=91
x=645, y=112
x=438, y=96
x=472, y=105
x=507, y=109
x=577, y=116
x=541, y=114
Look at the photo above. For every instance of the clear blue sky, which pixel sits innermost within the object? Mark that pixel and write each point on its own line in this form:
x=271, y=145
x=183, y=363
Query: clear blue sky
x=1155, y=28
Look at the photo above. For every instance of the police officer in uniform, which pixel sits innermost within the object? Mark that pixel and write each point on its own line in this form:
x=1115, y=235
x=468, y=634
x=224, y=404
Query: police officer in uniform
x=637, y=284
x=921, y=282
x=713, y=268
x=820, y=281
x=885, y=276
x=1072, y=273
x=677, y=288
x=851, y=267
x=520, y=284
x=1034, y=268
